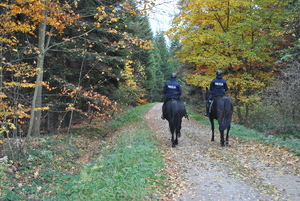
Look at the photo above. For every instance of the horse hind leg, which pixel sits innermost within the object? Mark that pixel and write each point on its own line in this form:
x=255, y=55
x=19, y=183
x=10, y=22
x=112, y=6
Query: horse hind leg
x=176, y=140
x=212, y=129
x=173, y=140
x=227, y=136
x=222, y=138
x=179, y=129
x=177, y=135
x=172, y=131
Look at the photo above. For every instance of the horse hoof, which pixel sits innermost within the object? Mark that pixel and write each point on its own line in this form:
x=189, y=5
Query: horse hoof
x=212, y=140
x=173, y=145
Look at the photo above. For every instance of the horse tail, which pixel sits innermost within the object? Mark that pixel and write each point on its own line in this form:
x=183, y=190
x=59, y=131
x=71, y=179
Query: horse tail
x=173, y=111
x=177, y=119
x=228, y=110
x=176, y=116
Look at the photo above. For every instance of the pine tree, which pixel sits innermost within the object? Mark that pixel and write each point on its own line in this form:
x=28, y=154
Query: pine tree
x=165, y=55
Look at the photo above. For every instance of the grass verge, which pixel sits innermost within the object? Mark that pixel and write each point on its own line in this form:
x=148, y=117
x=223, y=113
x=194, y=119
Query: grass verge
x=127, y=169
x=86, y=166
x=242, y=133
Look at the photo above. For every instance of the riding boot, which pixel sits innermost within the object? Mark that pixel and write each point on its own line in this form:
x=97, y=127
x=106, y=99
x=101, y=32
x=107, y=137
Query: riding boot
x=207, y=108
x=206, y=114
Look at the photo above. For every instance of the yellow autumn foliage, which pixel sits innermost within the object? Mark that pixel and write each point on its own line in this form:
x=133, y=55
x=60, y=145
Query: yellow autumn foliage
x=238, y=37
x=127, y=73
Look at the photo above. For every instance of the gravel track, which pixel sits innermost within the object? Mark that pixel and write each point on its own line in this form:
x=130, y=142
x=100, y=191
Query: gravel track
x=201, y=170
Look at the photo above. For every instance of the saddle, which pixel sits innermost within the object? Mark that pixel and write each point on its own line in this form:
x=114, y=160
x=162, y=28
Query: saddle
x=210, y=102
x=178, y=99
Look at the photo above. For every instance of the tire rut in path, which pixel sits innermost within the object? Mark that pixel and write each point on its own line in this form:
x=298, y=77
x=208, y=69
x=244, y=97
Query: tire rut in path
x=201, y=170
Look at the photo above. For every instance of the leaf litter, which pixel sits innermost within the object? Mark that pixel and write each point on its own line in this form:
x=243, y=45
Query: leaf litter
x=199, y=169
x=196, y=169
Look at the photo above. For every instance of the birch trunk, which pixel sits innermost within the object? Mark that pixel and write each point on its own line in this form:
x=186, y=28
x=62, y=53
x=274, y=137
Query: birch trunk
x=35, y=114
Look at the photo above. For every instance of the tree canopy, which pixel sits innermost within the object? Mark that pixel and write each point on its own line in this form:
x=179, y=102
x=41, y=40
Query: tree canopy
x=77, y=57
x=239, y=37
x=92, y=58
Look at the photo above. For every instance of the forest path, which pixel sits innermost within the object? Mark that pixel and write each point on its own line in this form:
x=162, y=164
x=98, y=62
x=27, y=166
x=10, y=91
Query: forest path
x=201, y=170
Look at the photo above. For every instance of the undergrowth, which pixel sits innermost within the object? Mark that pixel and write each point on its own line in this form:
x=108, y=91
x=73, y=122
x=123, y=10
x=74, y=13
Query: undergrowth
x=126, y=170
x=86, y=166
x=242, y=133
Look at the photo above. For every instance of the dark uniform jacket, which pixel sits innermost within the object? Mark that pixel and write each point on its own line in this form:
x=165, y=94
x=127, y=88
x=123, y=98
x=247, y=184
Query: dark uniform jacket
x=172, y=89
x=218, y=86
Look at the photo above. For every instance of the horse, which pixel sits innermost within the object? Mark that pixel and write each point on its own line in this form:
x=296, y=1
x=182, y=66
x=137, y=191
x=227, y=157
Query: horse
x=174, y=111
x=221, y=109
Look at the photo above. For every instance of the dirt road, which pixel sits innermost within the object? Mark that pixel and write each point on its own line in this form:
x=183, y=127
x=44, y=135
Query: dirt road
x=201, y=170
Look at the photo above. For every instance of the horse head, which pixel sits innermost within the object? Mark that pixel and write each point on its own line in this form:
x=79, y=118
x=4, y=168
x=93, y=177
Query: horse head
x=207, y=93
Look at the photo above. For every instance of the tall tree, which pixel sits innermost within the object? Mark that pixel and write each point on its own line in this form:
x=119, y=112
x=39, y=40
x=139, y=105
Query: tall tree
x=144, y=64
x=159, y=76
x=239, y=37
x=101, y=58
x=84, y=58
x=291, y=51
x=166, y=66
x=25, y=16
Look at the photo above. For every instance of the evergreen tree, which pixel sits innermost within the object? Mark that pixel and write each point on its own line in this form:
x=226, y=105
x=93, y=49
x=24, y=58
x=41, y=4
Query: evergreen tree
x=87, y=67
x=101, y=59
x=144, y=60
x=160, y=79
x=166, y=66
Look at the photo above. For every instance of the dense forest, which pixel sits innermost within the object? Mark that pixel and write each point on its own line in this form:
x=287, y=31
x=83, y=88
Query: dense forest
x=68, y=61
x=257, y=45
x=86, y=61
x=70, y=68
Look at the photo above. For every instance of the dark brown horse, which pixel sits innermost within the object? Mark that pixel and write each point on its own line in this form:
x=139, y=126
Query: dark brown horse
x=221, y=109
x=174, y=111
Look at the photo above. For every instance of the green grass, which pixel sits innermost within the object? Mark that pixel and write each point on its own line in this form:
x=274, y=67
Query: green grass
x=245, y=134
x=124, y=168
x=3, y=169
x=127, y=169
x=134, y=115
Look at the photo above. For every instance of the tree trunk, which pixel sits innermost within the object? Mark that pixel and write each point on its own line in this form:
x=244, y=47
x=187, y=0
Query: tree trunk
x=35, y=115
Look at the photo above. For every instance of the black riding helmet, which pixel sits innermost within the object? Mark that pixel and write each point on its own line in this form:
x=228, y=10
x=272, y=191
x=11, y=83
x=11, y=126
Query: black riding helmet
x=173, y=75
x=219, y=72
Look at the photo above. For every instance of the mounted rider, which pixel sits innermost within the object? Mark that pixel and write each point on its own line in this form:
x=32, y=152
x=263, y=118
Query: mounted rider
x=218, y=87
x=172, y=90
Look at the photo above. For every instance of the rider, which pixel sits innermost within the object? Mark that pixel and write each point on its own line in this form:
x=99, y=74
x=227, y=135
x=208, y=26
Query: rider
x=218, y=87
x=172, y=90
